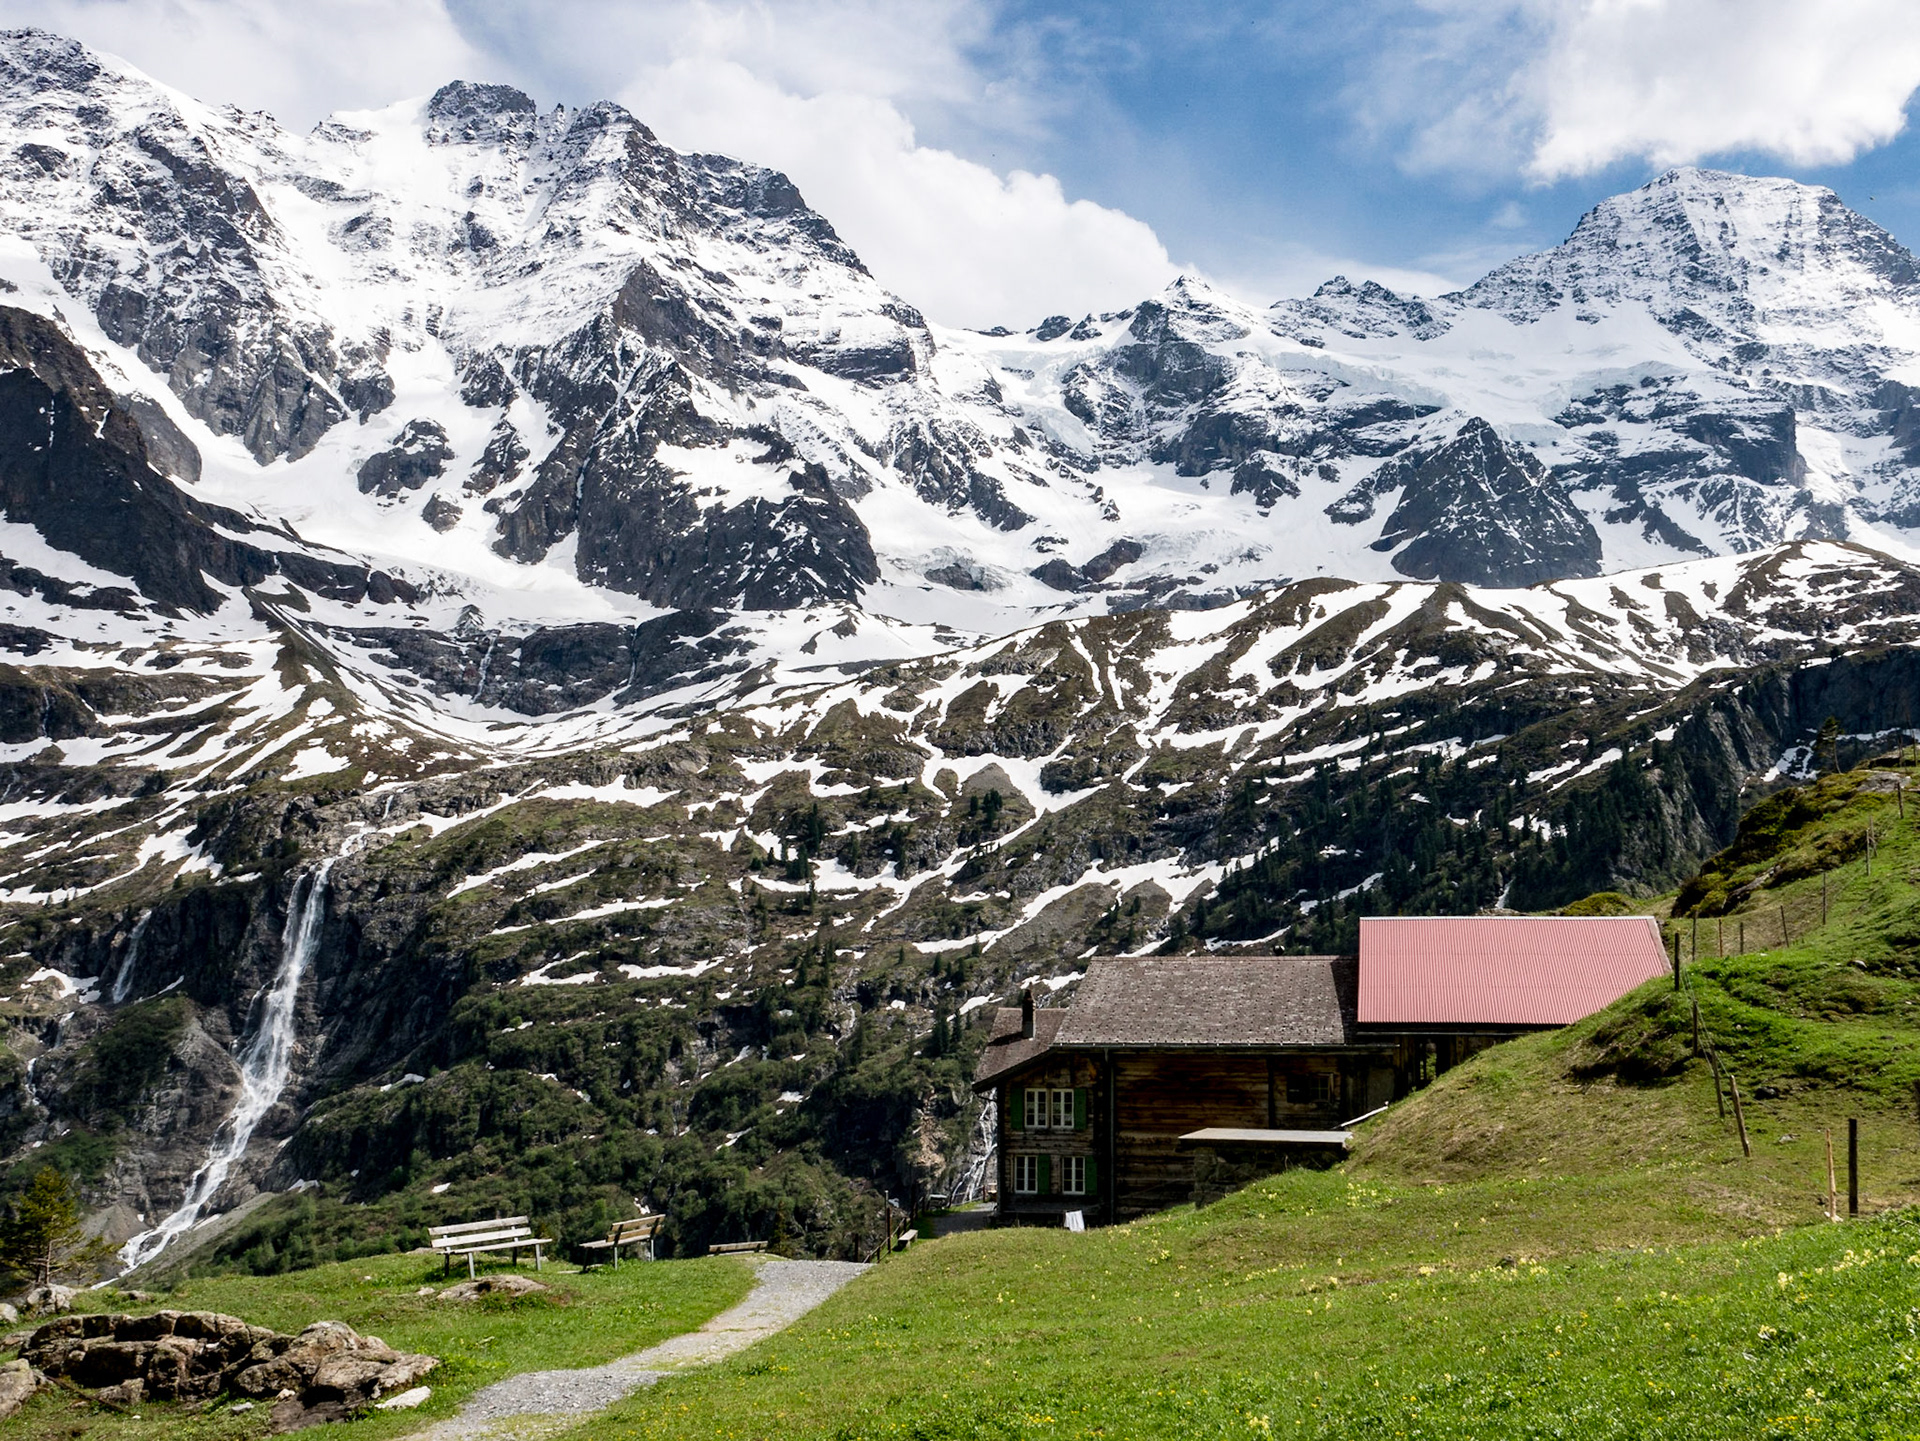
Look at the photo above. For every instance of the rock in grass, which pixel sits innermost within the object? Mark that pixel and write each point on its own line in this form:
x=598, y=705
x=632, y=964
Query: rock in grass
x=47, y=1301
x=18, y=1380
x=329, y=1372
x=493, y=1286
x=405, y=1401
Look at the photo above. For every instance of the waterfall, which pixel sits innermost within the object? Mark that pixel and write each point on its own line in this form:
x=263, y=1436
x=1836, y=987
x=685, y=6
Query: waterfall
x=130, y=960
x=977, y=1163
x=266, y=1061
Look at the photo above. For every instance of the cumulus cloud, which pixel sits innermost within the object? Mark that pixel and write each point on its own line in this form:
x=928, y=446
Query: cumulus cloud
x=820, y=89
x=1678, y=80
x=300, y=61
x=965, y=243
x=1559, y=88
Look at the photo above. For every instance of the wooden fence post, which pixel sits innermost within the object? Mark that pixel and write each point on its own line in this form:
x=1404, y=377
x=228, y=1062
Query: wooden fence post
x=1785, y=938
x=1696, y=1025
x=1833, y=1194
x=1676, y=958
x=1739, y=1116
x=1853, y=1165
x=1743, y=935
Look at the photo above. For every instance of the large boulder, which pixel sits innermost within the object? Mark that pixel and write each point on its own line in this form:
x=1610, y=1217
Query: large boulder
x=328, y=1372
x=47, y=1301
x=18, y=1380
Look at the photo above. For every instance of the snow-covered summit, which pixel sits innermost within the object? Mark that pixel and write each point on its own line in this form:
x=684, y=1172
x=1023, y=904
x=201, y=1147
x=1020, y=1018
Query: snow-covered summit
x=542, y=365
x=1761, y=256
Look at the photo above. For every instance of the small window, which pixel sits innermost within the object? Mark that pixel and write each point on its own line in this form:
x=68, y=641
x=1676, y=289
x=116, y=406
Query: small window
x=1049, y=1110
x=1026, y=1173
x=1317, y=1089
x=1074, y=1170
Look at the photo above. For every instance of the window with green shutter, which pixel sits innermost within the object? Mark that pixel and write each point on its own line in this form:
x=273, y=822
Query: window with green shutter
x=1016, y=1106
x=1080, y=1109
x=1046, y=1175
x=1093, y=1178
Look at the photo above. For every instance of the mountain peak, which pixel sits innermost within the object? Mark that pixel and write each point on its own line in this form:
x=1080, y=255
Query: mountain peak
x=479, y=114
x=40, y=60
x=1715, y=242
x=459, y=98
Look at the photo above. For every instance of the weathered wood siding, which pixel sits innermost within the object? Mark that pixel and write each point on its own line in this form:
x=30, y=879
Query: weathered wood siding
x=1163, y=1095
x=1054, y=1072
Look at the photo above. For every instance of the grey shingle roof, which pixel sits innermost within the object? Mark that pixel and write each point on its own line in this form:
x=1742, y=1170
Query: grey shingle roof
x=1226, y=1001
x=1007, y=1049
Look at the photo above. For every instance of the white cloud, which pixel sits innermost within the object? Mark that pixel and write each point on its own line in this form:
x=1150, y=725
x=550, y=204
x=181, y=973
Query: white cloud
x=966, y=244
x=1559, y=88
x=820, y=89
x=301, y=61
x=1677, y=80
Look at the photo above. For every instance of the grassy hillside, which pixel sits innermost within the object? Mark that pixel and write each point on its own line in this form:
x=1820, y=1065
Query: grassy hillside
x=1561, y=1237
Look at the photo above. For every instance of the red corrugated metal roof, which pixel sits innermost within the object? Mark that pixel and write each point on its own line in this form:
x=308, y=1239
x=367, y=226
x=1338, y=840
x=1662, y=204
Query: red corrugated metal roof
x=1501, y=970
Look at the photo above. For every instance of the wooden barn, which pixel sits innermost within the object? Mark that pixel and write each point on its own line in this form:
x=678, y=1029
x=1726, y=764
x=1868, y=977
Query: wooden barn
x=1174, y=1078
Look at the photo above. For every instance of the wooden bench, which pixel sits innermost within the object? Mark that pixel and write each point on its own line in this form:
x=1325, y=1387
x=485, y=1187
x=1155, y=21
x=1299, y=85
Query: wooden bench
x=905, y=1239
x=469, y=1238
x=734, y=1246
x=637, y=1232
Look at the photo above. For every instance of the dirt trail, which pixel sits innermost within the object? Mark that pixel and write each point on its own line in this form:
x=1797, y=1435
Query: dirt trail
x=541, y=1403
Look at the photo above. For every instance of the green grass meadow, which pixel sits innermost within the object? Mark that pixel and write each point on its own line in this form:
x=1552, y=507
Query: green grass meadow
x=586, y=1319
x=1191, y=1326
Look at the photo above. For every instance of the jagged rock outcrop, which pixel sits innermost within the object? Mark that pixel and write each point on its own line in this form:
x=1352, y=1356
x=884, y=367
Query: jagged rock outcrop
x=1476, y=509
x=73, y=465
x=329, y=1372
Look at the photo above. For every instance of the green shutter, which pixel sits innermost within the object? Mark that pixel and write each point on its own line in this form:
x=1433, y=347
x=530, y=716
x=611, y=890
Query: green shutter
x=1016, y=1109
x=1046, y=1175
x=1093, y=1179
x=1080, y=1108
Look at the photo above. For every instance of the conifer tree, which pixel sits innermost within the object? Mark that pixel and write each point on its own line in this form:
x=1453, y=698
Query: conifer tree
x=42, y=1238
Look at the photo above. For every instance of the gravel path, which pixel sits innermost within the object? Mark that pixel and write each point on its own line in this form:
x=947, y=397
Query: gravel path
x=540, y=1403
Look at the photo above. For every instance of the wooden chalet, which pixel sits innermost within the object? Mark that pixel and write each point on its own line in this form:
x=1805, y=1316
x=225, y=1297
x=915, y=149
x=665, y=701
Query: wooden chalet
x=1172, y=1078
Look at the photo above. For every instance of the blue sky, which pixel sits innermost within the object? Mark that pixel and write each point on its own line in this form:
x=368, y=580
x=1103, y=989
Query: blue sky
x=996, y=160
x=1273, y=126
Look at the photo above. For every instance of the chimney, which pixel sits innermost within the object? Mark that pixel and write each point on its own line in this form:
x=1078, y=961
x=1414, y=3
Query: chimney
x=1026, y=1014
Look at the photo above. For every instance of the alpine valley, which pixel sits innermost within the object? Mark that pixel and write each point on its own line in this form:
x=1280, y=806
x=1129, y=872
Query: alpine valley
x=532, y=680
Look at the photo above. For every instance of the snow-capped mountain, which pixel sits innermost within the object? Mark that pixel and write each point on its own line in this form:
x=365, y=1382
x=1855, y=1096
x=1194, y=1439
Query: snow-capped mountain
x=506, y=353
x=648, y=676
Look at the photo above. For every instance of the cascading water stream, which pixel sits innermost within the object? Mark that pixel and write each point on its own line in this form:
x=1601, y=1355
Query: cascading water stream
x=977, y=1164
x=130, y=960
x=266, y=1062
